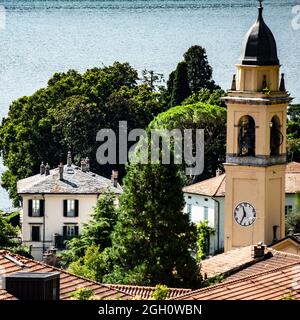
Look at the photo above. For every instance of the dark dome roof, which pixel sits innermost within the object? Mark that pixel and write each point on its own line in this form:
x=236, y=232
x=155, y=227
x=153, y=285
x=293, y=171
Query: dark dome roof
x=259, y=46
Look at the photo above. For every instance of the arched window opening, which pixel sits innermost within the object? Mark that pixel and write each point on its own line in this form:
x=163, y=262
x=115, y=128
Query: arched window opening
x=246, y=138
x=276, y=137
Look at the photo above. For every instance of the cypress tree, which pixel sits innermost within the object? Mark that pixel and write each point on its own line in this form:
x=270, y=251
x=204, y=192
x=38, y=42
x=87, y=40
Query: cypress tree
x=180, y=89
x=153, y=238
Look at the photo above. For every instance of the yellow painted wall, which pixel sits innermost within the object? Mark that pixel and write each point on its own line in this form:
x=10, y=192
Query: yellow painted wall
x=262, y=187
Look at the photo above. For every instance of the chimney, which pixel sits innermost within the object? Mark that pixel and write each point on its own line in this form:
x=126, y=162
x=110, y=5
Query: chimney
x=258, y=251
x=233, y=84
x=83, y=166
x=42, y=168
x=87, y=162
x=50, y=257
x=61, y=171
x=33, y=285
x=291, y=231
x=218, y=172
x=69, y=159
x=47, y=170
x=114, y=178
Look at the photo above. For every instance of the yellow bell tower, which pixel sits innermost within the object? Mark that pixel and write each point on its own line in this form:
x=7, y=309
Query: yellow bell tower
x=256, y=143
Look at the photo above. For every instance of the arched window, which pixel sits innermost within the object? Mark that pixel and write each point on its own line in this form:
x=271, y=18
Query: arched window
x=246, y=138
x=276, y=137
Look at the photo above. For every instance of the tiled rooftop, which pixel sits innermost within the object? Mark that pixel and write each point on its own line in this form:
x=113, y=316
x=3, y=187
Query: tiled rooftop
x=146, y=292
x=68, y=282
x=239, y=263
x=275, y=284
x=215, y=187
x=74, y=181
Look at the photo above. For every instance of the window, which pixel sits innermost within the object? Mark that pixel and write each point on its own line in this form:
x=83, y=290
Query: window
x=70, y=208
x=276, y=137
x=288, y=209
x=205, y=213
x=36, y=208
x=70, y=230
x=35, y=233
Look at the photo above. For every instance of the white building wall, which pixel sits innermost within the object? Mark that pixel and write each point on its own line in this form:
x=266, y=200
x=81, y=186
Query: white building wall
x=53, y=220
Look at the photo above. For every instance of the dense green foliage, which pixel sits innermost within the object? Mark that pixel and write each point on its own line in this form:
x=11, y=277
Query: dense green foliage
x=82, y=294
x=293, y=133
x=160, y=293
x=10, y=237
x=199, y=116
x=153, y=238
x=204, y=231
x=67, y=114
x=181, y=89
x=95, y=235
x=191, y=75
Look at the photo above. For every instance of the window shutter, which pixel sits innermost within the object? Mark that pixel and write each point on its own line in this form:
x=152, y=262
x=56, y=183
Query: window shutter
x=65, y=208
x=76, y=208
x=30, y=208
x=76, y=230
x=42, y=208
x=64, y=231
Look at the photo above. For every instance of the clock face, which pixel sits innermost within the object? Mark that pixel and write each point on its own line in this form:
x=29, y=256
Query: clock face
x=244, y=214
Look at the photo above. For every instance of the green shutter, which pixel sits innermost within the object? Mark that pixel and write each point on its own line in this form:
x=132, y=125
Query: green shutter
x=76, y=208
x=64, y=231
x=30, y=208
x=65, y=208
x=42, y=208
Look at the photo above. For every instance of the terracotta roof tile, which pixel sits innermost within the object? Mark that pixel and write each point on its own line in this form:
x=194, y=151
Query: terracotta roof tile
x=270, y=285
x=68, y=282
x=4, y=295
x=215, y=187
x=146, y=292
x=238, y=263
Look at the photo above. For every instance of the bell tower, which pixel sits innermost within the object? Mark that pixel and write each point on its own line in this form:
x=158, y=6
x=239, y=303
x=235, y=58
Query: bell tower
x=256, y=143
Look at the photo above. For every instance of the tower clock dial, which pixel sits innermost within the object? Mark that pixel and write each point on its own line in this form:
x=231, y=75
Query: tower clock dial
x=244, y=214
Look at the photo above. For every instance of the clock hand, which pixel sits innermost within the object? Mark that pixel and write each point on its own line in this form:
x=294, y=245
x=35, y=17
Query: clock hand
x=244, y=215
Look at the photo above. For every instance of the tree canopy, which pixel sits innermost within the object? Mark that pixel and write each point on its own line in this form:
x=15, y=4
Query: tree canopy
x=67, y=114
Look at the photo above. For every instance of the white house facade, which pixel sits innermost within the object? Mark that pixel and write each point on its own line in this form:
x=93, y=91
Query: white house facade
x=56, y=203
x=205, y=201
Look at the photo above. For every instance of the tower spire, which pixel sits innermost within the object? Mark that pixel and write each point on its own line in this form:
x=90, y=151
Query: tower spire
x=260, y=10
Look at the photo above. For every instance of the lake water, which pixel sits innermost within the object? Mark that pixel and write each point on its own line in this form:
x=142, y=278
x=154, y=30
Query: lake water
x=43, y=37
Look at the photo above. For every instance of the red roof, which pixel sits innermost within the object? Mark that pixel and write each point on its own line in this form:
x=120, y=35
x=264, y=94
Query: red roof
x=239, y=263
x=215, y=187
x=275, y=284
x=146, y=292
x=69, y=283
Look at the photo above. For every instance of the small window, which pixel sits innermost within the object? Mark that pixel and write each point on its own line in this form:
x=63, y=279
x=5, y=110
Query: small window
x=288, y=209
x=205, y=213
x=71, y=208
x=35, y=233
x=70, y=231
x=36, y=208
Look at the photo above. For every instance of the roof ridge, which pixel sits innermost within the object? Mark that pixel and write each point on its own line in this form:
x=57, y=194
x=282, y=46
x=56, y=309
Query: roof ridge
x=144, y=287
x=239, y=280
x=60, y=269
x=284, y=253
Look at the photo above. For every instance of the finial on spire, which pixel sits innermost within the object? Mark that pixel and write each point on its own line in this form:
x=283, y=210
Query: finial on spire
x=260, y=3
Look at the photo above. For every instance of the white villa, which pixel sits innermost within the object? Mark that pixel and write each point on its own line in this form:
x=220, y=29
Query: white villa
x=205, y=201
x=55, y=203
